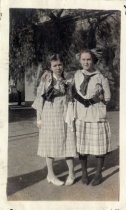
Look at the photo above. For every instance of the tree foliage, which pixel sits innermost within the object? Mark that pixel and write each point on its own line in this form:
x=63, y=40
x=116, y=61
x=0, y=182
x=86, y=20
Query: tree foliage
x=22, y=52
x=34, y=34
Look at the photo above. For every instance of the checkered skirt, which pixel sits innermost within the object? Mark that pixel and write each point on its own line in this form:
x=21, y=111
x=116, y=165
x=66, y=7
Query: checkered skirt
x=55, y=139
x=93, y=137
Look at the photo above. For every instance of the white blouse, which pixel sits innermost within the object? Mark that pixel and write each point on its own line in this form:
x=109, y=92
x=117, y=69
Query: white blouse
x=95, y=112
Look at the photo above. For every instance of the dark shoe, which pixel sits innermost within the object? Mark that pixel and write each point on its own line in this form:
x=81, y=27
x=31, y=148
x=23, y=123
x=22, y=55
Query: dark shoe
x=85, y=180
x=97, y=180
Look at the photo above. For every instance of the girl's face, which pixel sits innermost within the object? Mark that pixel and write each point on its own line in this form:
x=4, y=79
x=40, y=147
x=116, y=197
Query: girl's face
x=57, y=67
x=86, y=61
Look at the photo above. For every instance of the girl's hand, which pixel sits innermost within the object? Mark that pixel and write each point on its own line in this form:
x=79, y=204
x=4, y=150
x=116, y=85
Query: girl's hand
x=39, y=123
x=101, y=97
x=38, y=119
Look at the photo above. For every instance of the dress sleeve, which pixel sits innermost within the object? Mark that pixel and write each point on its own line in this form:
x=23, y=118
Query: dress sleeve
x=39, y=101
x=106, y=88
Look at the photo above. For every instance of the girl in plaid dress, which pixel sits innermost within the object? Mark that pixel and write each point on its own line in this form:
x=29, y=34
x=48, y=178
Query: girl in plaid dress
x=55, y=138
x=92, y=126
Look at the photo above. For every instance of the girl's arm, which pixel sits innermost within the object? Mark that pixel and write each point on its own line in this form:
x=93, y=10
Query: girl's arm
x=78, y=97
x=106, y=88
x=85, y=102
x=39, y=102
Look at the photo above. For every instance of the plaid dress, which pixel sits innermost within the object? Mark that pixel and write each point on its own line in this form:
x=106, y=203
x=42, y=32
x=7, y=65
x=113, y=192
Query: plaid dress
x=92, y=127
x=55, y=138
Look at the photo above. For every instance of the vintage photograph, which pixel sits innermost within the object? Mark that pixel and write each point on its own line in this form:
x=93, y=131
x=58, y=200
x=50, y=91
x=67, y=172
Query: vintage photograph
x=64, y=103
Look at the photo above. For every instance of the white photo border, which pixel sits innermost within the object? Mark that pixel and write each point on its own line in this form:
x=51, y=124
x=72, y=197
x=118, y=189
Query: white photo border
x=4, y=69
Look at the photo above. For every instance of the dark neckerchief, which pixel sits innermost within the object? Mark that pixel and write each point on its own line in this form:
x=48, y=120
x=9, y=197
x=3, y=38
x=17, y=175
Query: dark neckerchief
x=52, y=92
x=84, y=84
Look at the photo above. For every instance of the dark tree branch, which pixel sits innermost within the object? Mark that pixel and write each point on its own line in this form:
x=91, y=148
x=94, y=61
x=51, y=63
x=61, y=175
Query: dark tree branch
x=60, y=13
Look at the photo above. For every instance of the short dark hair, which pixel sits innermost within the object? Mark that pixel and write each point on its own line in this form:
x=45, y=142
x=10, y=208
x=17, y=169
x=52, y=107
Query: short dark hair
x=55, y=57
x=94, y=57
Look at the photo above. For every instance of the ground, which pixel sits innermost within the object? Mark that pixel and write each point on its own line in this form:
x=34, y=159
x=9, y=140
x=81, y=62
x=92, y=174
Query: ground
x=27, y=171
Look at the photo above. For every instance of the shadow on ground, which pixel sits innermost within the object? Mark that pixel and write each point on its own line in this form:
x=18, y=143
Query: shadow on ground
x=20, y=182
x=111, y=160
x=16, y=115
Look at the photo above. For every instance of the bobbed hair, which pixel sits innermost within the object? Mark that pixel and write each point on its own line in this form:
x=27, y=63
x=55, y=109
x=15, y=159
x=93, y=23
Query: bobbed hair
x=55, y=57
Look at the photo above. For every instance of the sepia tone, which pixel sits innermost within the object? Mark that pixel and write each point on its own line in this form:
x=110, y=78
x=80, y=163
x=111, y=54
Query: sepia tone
x=34, y=35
